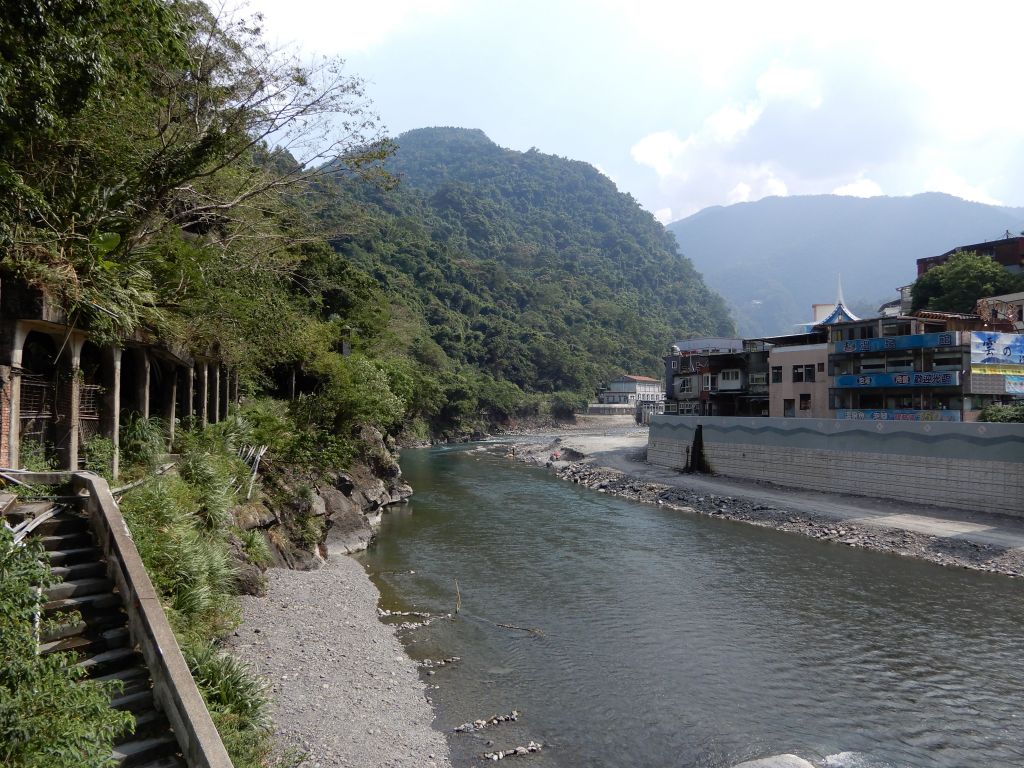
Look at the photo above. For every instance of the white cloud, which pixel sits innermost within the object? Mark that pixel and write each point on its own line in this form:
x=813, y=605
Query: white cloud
x=705, y=158
x=945, y=180
x=787, y=83
x=605, y=173
x=664, y=215
x=343, y=26
x=740, y=193
x=758, y=183
x=860, y=188
x=730, y=123
x=661, y=151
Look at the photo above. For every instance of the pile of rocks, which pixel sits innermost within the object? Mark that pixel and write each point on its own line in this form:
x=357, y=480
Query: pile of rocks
x=533, y=746
x=479, y=725
x=942, y=550
x=431, y=663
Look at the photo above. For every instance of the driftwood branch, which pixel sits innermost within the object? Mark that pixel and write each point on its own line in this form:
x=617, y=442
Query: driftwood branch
x=156, y=473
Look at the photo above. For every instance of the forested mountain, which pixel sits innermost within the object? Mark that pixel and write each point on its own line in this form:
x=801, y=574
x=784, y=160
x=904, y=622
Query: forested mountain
x=531, y=268
x=773, y=258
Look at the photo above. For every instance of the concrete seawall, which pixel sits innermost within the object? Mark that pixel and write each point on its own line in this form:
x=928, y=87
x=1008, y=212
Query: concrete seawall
x=974, y=466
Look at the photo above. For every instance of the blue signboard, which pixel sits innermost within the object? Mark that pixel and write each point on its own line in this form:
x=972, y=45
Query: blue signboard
x=888, y=343
x=895, y=414
x=910, y=379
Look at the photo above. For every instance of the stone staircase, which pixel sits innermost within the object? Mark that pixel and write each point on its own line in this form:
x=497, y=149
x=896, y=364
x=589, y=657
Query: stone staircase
x=94, y=625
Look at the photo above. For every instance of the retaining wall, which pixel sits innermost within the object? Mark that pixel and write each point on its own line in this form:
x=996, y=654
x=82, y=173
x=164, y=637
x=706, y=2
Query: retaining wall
x=968, y=465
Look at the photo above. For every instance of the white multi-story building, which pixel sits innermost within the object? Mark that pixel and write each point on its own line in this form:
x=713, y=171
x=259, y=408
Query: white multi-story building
x=633, y=389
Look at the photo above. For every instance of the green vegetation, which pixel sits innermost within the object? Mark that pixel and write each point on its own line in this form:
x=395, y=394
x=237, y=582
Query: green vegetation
x=182, y=525
x=530, y=269
x=1003, y=413
x=957, y=285
x=34, y=731
x=237, y=701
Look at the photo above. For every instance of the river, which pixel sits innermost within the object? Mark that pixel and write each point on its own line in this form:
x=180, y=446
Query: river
x=677, y=640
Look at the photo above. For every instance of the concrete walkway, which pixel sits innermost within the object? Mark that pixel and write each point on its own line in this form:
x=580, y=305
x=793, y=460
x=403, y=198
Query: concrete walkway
x=621, y=451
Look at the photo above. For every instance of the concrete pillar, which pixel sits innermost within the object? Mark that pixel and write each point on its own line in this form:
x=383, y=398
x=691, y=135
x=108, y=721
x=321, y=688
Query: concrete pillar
x=143, y=382
x=204, y=393
x=228, y=402
x=190, y=389
x=226, y=395
x=14, y=435
x=114, y=399
x=216, y=392
x=72, y=433
x=171, y=405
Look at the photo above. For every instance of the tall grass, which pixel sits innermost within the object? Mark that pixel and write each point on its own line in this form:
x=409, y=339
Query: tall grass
x=189, y=562
x=182, y=525
x=142, y=441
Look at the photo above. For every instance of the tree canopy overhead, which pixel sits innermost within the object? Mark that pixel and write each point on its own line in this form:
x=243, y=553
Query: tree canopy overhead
x=135, y=161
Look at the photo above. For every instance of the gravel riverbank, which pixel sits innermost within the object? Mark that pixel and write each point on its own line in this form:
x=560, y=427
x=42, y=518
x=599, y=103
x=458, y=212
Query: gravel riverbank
x=344, y=691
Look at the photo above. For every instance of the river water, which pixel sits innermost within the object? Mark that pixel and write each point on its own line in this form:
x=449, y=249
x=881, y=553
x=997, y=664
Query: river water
x=670, y=639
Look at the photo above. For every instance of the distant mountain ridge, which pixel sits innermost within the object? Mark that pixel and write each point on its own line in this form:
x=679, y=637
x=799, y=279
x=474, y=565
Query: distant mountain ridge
x=772, y=259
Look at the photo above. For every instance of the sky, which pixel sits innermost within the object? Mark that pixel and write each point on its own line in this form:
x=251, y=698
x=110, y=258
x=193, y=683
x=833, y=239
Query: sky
x=687, y=105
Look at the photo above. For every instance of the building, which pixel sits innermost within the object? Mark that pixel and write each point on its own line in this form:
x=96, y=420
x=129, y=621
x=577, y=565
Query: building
x=60, y=388
x=1008, y=251
x=932, y=366
x=717, y=377
x=799, y=380
x=756, y=377
x=630, y=389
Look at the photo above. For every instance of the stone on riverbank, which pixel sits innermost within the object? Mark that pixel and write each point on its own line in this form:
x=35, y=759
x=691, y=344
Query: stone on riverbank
x=776, y=761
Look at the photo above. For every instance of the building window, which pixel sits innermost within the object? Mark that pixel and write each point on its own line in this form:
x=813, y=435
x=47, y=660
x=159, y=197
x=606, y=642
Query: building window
x=798, y=373
x=776, y=374
x=730, y=375
x=685, y=386
x=821, y=367
x=805, y=402
x=710, y=381
x=788, y=408
x=809, y=372
x=675, y=364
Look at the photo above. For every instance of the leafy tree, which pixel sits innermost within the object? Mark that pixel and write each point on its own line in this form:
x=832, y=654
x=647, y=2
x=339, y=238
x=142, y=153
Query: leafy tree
x=166, y=134
x=957, y=285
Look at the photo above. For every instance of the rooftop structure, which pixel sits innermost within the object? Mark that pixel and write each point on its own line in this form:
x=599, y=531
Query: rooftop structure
x=1008, y=251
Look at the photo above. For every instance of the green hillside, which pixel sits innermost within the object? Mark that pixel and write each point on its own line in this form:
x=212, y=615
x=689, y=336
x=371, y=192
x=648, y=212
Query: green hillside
x=528, y=267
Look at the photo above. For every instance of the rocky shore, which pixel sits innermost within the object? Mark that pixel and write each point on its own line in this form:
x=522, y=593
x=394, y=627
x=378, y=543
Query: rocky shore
x=572, y=465
x=344, y=691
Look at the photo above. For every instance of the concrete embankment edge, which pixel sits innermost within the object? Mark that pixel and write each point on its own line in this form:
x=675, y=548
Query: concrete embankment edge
x=970, y=466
